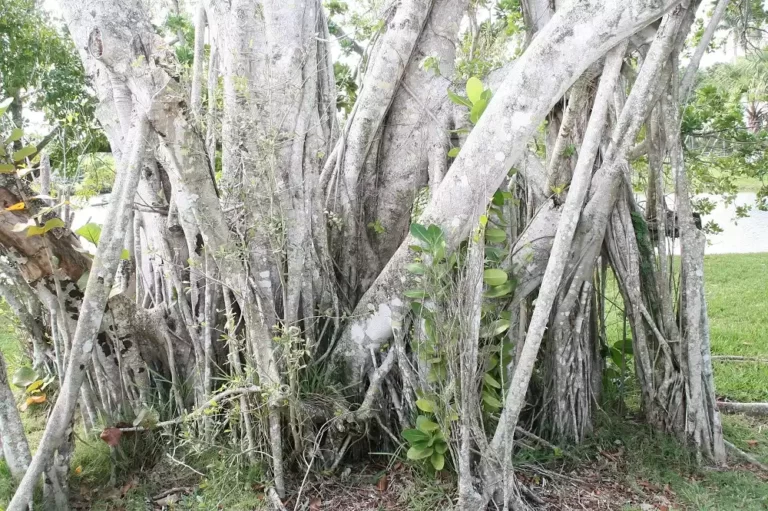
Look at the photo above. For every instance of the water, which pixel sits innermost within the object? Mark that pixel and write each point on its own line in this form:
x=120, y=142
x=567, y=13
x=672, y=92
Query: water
x=739, y=236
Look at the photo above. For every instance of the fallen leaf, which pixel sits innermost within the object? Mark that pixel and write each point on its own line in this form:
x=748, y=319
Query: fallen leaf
x=111, y=436
x=752, y=443
x=314, y=504
x=663, y=508
x=78, y=470
x=383, y=483
x=36, y=399
x=19, y=206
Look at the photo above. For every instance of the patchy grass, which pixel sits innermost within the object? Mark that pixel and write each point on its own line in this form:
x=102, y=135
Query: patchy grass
x=737, y=297
x=626, y=464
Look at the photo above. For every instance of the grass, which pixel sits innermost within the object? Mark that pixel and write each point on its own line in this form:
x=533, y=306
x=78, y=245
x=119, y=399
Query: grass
x=737, y=296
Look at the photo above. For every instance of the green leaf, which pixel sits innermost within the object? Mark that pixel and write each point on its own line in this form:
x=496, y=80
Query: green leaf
x=91, y=232
x=627, y=346
x=417, y=308
x=454, y=152
x=414, y=453
x=53, y=223
x=441, y=447
x=35, y=385
x=494, y=276
x=35, y=231
x=15, y=135
x=494, y=235
x=24, y=376
x=4, y=104
x=7, y=168
x=24, y=152
x=500, y=326
x=416, y=268
x=474, y=90
x=437, y=460
x=491, y=381
x=426, y=425
x=458, y=99
x=477, y=111
x=491, y=401
x=414, y=435
x=426, y=405
x=417, y=294
x=419, y=232
x=499, y=291
x=125, y=255
x=616, y=357
x=434, y=233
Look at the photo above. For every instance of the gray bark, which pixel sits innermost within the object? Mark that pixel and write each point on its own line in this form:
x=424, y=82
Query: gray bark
x=14, y=442
x=540, y=77
x=98, y=288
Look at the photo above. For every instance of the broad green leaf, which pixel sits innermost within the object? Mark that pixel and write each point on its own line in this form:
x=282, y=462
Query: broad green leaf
x=91, y=232
x=416, y=268
x=418, y=294
x=491, y=381
x=434, y=233
x=441, y=447
x=627, y=346
x=616, y=357
x=454, y=152
x=24, y=376
x=4, y=104
x=35, y=385
x=414, y=435
x=494, y=276
x=477, y=111
x=24, y=152
x=53, y=223
x=474, y=90
x=503, y=290
x=458, y=99
x=426, y=425
x=500, y=326
x=495, y=235
x=437, y=460
x=491, y=401
x=34, y=230
x=426, y=405
x=414, y=453
x=15, y=135
x=419, y=232
x=417, y=308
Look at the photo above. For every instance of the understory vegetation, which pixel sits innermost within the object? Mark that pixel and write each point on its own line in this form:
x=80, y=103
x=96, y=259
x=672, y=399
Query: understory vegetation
x=625, y=464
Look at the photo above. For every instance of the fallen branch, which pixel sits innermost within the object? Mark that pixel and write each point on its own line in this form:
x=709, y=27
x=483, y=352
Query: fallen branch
x=735, y=358
x=253, y=389
x=745, y=456
x=754, y=409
